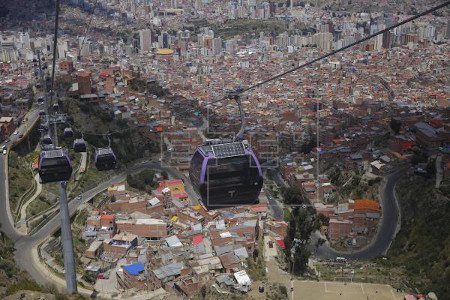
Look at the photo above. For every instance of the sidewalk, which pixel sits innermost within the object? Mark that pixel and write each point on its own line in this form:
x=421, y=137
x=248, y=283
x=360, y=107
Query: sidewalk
x=23, y=210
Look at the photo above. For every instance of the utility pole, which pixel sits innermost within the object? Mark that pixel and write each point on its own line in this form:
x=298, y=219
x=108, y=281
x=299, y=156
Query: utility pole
x=317, y=151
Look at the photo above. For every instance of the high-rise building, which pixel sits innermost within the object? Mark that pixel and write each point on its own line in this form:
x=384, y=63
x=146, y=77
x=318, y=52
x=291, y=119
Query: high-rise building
x=387, y=39
x=145, y=40
x=164, y=40
x=217, y=46
x=25, y=40
x=63, y=48
x=84, y=82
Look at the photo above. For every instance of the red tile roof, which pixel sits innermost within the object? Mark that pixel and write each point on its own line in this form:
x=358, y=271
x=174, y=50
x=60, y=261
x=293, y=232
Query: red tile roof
x=259, y=208
x=198, y=239
x=281, y=243
x=107, y=217
x=366, y=204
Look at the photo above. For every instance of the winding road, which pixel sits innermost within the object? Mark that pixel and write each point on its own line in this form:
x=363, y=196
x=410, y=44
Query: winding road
x=387, y=229
x=26, y=245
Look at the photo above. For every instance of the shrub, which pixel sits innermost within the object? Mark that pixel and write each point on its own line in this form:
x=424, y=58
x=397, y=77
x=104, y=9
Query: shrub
x=24, y=284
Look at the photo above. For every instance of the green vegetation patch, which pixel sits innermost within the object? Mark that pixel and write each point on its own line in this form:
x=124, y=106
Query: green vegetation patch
x=422, y=245
x=250, y=27
x=142, y=181
x=20, y=178
x=38, y=205
x=12, y=279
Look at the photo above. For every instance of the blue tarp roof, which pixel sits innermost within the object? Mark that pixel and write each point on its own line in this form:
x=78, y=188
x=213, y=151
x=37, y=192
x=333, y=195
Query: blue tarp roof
x=134, y=269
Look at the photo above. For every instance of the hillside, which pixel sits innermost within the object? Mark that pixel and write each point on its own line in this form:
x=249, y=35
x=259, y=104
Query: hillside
x=128, y=141
x=396, y=6
x=423, y=244
x=12, y=279
x=25, y=9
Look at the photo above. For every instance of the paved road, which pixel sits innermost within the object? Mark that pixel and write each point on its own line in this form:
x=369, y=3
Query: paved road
x=23, y=209
x=276, y=208
x=26, y=255
x=386, y=232
x=6, y=220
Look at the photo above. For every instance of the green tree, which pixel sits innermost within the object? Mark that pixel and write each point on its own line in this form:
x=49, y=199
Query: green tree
x=395, y=125
x=301, y=225
x=293, y=195
x=431, y=167
x=323, y=220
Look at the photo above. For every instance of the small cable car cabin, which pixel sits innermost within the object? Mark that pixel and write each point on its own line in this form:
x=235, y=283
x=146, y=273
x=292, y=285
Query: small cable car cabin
x=105, y=159
x=54, y=166
x=46, y=140
x=79, y=145
x=68, y=132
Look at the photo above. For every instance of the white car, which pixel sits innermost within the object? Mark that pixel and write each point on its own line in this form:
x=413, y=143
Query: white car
x=4, y=152
x=16, y=132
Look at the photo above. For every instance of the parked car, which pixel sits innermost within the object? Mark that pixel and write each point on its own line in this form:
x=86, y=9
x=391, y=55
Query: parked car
x=102, y=276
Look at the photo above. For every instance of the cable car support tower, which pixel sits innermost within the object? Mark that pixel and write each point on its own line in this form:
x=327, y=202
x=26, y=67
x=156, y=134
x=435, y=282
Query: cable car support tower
x=54, y=119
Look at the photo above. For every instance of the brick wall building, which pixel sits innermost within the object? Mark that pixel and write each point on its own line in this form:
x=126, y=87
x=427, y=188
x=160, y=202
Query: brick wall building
x=154, y=229
x=339, y=228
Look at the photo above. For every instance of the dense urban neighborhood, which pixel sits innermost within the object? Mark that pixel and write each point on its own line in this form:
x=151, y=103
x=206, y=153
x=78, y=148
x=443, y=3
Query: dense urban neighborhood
x=112, y=112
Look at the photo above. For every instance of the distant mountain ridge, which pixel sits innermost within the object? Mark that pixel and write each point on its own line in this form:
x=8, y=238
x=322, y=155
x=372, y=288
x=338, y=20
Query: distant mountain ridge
x=24, y=9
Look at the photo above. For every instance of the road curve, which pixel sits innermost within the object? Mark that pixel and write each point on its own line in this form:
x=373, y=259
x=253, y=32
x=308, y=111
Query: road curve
x=386, y=231
x=6, y=220
x=25, y=245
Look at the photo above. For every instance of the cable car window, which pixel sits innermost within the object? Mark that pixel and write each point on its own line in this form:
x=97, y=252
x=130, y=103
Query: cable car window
x=229, y=170
x=55, y=162
x=196, y=166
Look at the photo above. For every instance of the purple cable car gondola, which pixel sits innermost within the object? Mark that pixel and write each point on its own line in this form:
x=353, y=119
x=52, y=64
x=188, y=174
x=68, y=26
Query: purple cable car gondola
x=105, y=159
x=79, y=145
x=54, y=166
x=226, y=174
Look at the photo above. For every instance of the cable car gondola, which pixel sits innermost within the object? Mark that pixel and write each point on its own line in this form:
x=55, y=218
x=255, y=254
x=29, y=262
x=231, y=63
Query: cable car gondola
x=227, y=173
x=54, y=166
x=79, y=145
x=68, y=132
x=46, y=140
x=43, y=127
x=105, y=159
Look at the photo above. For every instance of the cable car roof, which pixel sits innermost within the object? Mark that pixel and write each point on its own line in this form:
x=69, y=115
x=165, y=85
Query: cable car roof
x=228, y=149
x=224, y=150
x=104, y=151
x=53, y=153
